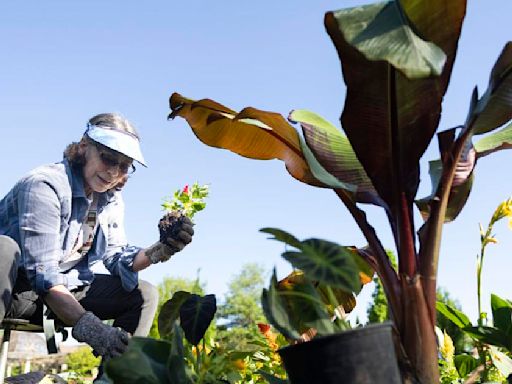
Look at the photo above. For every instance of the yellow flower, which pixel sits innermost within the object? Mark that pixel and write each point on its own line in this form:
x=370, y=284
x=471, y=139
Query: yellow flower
x=503, y=210
x=446, y=348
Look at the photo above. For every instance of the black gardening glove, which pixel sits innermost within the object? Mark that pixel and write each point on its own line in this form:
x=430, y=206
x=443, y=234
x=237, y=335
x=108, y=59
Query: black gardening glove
x=105, y=340
x=171, y=241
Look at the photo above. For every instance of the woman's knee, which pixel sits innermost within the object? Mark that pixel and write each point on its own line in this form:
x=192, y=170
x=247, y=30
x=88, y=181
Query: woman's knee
x=9, y=248
x=149, y=293
x=10, y=255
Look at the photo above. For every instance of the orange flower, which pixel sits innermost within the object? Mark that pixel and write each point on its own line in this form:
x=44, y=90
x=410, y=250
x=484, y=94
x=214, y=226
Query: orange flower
x=269, y=335
x=239, y=364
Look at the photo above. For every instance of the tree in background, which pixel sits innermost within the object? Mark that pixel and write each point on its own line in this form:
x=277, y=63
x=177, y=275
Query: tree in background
x=378, y=310
x=241, y=311
x=168, y=287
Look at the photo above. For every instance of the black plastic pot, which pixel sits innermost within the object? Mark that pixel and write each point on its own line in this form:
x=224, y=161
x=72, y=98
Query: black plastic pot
x=359, y=356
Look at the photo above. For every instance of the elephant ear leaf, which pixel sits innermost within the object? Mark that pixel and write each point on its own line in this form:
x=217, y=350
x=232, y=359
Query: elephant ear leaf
x=196, y=314
x=170, y=312
x=145, y=361
x=251, y=133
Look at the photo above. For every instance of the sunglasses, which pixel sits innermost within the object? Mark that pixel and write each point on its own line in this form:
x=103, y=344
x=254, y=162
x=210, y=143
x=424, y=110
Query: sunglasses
x=111, y=159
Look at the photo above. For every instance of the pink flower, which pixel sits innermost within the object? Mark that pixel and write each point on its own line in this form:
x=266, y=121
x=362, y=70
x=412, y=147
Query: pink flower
x=185, y=189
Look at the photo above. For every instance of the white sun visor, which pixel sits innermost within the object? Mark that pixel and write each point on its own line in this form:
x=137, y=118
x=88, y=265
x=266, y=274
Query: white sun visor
x=119, y=141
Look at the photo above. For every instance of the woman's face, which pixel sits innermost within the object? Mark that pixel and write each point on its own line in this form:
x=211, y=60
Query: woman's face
x=104, y=168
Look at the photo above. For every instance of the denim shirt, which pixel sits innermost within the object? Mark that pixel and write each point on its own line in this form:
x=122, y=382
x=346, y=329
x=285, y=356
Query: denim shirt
x=44, y=213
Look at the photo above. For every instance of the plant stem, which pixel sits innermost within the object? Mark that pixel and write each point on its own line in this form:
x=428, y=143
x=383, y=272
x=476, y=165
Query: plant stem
x=383, y=266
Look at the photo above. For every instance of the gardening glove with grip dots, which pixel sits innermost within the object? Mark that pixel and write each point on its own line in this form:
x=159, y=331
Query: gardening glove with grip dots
x=174, y=241
x=105, y=340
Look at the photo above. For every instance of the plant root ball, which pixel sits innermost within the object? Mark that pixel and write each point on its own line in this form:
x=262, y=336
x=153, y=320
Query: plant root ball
x=170, y=225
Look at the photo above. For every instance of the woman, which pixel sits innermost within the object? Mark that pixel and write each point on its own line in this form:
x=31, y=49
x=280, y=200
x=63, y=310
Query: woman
x=60, y=220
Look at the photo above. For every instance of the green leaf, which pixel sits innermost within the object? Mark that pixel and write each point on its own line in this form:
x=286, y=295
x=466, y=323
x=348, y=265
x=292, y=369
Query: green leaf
x=170, y=312
x=494, y=108
x=495, y=141
x=275, y=310
x=283, y=236
x=306, y=307
x=271, y=379
x=176, y=362
x=196, y=314
x=454, y=315
x=465, y=364
x=145, y=361
x=489, y=335
x=389, y=118
x=332, y=150
x=381, y=32
x=327, y=262
x=502, y=314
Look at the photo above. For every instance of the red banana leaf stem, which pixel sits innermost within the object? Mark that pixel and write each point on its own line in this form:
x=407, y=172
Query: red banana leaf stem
x=384, y=268
x=429, y=253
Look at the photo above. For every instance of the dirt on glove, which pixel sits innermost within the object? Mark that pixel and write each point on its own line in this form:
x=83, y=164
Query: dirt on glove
x=170, y=225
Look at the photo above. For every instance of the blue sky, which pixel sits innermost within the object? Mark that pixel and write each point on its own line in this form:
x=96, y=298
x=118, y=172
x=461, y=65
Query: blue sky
x=67, y=61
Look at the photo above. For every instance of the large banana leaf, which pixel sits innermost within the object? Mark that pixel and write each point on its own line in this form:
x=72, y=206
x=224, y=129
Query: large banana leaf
x=264, y=135
x=494, y=108
x=333, y=150
x=458, y=195
x=486, y=114
x=495, y=141
x=251, y=133
x=393, y=101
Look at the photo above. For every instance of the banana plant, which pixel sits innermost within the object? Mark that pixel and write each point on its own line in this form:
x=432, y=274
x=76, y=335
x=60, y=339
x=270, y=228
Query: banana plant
x=396, y=58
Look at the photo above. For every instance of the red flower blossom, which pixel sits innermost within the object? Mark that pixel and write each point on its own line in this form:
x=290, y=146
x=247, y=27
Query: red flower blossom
x=264, y=328
x=185, y=189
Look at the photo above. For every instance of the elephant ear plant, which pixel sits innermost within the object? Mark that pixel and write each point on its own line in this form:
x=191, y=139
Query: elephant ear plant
x=396, y=58
x=161, y=361
x=314, y=299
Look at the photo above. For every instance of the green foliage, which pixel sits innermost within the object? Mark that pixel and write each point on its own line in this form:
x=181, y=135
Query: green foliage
x=460, y=341
x=397, y=68
x=241, y=310
x=300, y=305
x=378, y=310
x=188, y=200
x=192, y=356
x=241, y=307
x=167, y=288
x=82, y=361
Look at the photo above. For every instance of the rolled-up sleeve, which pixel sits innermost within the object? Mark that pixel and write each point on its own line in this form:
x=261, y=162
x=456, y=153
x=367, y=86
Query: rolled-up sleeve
x=39, y=224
